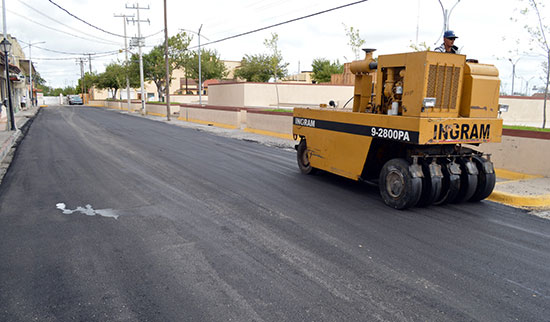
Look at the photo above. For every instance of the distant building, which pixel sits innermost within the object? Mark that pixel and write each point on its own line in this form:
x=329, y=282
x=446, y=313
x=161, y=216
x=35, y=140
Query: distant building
x=304, y=77
x=18, y=69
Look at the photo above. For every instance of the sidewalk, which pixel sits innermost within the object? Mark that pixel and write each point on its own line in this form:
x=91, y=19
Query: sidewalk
x=9, y=138
x=514, y=189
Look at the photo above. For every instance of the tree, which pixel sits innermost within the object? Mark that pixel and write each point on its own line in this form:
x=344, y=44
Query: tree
x=254, y=68
x=323, y=69
x=212, y=67
x=154, y=68
x=420, y=46
x=262, y=67
x=113, y=78
x=89, y=81
x=276, y=64
x=178, y=54
x=177, y=49
x=539, y=34
x=355, y=41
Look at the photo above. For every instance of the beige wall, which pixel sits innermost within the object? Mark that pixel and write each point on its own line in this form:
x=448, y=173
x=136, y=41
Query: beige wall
x=525, y=155
x=267, y=122
x=265, y=94
x=223, y=118
x=524, y=111
x=226, y=94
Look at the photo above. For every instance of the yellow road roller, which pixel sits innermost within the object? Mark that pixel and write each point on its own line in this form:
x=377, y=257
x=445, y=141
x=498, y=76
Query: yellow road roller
x=416, y=122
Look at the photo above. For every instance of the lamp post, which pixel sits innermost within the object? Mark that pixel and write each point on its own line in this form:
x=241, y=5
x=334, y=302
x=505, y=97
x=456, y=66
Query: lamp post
x=6, y=47
x=446, y=17
x=200, y=67
x=513, y=72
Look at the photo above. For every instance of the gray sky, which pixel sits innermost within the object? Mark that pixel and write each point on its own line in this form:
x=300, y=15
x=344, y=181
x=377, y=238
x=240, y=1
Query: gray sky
x=484, y=27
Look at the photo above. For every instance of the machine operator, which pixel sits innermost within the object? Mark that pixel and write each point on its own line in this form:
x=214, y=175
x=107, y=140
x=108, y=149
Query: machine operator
x=448, y=43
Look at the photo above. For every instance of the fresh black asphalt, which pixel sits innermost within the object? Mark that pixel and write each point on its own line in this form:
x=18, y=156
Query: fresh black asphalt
x=217, y=229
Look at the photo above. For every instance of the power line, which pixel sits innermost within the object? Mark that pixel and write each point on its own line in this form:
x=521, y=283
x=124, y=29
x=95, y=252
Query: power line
x=73, y=58
x=69, y=53
x=56, y=21
x=281, y=23
x=61, y=31
x=154, y=34
x=89, y=24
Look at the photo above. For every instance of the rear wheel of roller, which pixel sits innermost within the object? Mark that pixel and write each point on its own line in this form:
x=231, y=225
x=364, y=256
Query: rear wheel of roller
x=303, y=159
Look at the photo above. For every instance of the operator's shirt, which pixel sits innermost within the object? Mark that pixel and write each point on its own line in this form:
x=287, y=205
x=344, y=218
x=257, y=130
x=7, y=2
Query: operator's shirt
x=441, y=49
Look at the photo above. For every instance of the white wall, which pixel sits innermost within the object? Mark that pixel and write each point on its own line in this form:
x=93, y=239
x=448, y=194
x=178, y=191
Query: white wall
x=265, y=94
x=525, y=111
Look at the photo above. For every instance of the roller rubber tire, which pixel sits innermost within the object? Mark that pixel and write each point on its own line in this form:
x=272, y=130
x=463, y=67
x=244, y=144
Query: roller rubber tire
x=398, y=188
x=450, y=185
x=468, y=183
x=303, y=160
x=485, y=181
x=431, y=187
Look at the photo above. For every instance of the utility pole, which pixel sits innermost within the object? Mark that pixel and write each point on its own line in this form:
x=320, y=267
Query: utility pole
x=90, y=61
x=167, y=81
x=125, y=19
x=30, y=70
x=200, y=70
x=81, y=62
x=140, y=44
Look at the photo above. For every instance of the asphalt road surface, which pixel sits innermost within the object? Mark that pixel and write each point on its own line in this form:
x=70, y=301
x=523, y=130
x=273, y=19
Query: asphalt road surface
x=112, y=217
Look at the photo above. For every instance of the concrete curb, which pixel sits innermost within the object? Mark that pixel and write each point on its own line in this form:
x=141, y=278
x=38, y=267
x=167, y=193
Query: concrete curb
x=515, y=200
x=541, y=201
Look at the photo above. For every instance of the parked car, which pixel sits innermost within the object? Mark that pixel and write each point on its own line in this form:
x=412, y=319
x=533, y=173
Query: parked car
x=75, y=100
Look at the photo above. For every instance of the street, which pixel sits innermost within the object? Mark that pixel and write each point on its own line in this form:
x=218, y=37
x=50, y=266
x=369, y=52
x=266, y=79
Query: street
x=106, y=216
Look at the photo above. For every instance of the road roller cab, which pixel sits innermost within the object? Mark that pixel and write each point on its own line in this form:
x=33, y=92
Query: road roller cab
x=413, y=128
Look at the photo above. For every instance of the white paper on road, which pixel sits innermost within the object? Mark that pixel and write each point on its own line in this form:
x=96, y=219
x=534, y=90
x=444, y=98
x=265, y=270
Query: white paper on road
x=88, y=211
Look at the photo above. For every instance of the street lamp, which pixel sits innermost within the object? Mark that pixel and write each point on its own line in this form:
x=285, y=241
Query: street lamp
x=513, y=72
x=200, y=71
x=5, y=45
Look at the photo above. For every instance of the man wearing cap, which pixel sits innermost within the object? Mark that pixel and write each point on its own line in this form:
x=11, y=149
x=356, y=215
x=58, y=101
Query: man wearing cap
x=448, y=43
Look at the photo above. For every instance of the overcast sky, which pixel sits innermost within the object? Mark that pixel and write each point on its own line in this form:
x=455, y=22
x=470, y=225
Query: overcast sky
x=484, y=27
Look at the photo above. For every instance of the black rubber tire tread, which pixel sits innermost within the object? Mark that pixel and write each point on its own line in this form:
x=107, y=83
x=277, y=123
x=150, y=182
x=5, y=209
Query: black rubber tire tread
x=450, y=185
x=412, y=185
x=485, y=181
x=468, y=183
x=431, y=187
x=303, y=161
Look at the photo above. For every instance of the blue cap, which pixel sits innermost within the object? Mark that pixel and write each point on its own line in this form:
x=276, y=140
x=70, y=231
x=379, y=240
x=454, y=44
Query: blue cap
x=449, y=34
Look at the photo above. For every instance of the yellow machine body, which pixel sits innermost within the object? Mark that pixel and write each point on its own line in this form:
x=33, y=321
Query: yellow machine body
x=421, y=104
x=338, y=141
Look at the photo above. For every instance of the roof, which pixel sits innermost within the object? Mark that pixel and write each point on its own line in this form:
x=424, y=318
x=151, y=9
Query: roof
x=210, y=82
x=13, y=68
x=25, y=66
